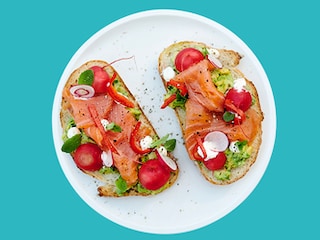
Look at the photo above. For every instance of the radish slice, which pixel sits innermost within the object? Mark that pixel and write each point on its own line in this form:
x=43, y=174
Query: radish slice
x=82, y=91
x=107, y=158
x=219, y=141
x=167, y=160
x=215, y=61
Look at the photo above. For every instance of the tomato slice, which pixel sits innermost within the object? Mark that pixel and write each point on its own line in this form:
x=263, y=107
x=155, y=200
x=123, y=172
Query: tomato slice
x=187, y=57
x=241, y=99
x=100, y=79
x=217, y=162
x=153, y=175
x=88, y=157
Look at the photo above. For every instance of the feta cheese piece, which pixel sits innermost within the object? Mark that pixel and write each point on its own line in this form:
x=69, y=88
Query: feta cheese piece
x=208, y=146
x=214, y=52
x=239, y=84
x=168, y=73
x=72, y=132
x=104, y=123
x=233, y=147
x=145, y=142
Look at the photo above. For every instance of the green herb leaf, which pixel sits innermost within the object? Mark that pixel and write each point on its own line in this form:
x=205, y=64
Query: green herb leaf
x=121, y=185
x=204, y=51
x=228, y=116
x=86, y=77
x=71, y=144
x=180, y=100
x=159, y=142
x=170, y=145
x=113, y=127
x=241, y=144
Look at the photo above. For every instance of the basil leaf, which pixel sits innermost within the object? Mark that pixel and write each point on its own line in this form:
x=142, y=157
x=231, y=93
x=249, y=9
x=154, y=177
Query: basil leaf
x=86, y=77
x=71, y=144
x=113, y=127
x=228, y=116
x=170, y=145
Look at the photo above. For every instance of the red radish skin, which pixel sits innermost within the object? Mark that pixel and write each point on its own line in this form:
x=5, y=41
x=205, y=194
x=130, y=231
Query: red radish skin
x=167, y=161
x=153, y=175
x=187, y=57
x=82, y=91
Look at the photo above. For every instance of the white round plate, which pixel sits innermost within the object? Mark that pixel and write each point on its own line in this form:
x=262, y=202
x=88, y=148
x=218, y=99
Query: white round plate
x=192, y=202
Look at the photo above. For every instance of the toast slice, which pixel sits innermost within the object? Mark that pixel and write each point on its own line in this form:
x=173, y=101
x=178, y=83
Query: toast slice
x=120, y=140
x=192, y=110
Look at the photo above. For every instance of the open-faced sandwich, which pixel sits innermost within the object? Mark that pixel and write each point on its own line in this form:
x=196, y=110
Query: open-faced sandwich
x=110, y=138
x=217, y=106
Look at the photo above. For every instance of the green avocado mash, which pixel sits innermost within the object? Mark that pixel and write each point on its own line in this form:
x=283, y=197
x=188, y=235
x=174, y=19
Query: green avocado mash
x=234, y=160
x=71, y=144
x=223, y=79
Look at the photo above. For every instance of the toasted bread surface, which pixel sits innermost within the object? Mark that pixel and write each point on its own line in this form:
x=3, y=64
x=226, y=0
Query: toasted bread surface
x=229, y=59
x=108, y=186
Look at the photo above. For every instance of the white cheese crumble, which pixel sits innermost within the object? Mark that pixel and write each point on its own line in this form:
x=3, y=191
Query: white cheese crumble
x=208, y=146
x=72, y=132
x=104, y=123
x=145, y=142
x=214, y=52
x=233, y=147
x=239, y=84
x=168, y=73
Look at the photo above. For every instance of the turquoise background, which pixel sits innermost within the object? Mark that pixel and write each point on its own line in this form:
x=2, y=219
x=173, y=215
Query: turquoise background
x=38, y=38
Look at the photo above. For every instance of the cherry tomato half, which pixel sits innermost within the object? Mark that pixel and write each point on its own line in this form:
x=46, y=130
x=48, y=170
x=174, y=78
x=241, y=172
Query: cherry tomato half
x=101, y=79
x=217, y=162
x=153, y=175
x=240, y=99
x=187, y=57
x=88, y=157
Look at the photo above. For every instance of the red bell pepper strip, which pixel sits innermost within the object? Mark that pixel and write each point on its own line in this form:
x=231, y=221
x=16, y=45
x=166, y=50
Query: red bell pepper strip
x=168, y=101
x=133, y=145
x=117, y=96
x=181, y=86
x=95, y=116
x=195, y=150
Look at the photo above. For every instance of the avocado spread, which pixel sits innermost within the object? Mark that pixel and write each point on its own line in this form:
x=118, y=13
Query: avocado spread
x=234, y=160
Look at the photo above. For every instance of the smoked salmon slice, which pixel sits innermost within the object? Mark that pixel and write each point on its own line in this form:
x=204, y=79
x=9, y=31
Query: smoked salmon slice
x=81, y=112
x=197, y=79
x=125, y=159
x=205, y=107
x=200, y=121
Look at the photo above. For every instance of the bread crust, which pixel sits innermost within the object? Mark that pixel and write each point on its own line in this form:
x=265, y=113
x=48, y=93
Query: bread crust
x=230, y=59
x=107, y=187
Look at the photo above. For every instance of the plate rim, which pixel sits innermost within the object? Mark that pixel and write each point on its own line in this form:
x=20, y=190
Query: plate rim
x=114, y=24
